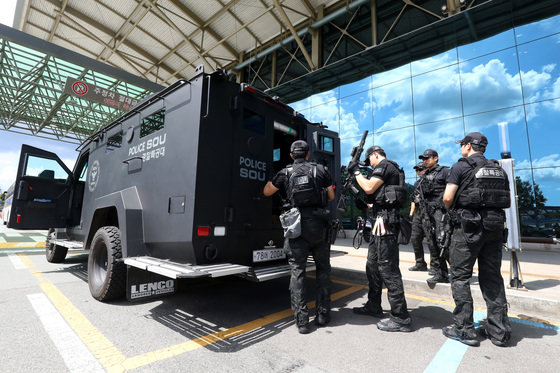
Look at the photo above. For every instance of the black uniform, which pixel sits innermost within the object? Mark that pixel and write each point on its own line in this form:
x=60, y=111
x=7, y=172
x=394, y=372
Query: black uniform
x=417, y=234
x=433, y=184
x=382, y=265
x=479, y=234
x=314, y=240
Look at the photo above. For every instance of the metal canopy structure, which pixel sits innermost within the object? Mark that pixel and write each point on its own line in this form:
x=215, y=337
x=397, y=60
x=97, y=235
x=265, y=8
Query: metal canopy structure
x=33, y=75
x=289, y=48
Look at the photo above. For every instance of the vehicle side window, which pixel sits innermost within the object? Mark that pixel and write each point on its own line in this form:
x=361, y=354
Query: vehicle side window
x=114, y=142
x=83, y=173
x=326, y=143
x=254, y=122
x=45, y=168
x=152, y=123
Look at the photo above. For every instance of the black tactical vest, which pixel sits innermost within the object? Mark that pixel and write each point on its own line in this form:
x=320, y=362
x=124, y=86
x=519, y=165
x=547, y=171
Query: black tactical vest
x=488, y=186
x=302, y=189
x=390, y=196
x=431, y=185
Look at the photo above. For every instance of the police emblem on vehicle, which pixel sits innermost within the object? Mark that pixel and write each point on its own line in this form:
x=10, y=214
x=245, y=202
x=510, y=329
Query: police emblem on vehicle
x=93, y=176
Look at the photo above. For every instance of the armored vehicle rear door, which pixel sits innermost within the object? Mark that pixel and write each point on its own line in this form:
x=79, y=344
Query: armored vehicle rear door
x=252, y=145
x=42, y=191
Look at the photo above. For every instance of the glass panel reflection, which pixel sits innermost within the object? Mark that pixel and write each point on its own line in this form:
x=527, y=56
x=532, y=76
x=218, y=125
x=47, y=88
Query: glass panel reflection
x=543, y=127
x=437, y=95
x=441, y=137
x=487, y=123
x=491, y=82
x=503, y=40
x=539, y=71
x=355, y=114
x=392, y=106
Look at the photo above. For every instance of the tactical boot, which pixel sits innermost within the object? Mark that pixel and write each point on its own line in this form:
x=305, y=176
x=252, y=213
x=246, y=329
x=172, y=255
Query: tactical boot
x=438, y=279
x=419, y=267
x=481, y=331
x=304, y=329
x=302, y=322
x=393, y=326
x=322, y=319
x=451, y=332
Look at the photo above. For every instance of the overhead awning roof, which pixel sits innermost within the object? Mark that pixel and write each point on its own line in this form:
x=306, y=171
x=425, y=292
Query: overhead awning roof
x=33, y=99
x=289, y=48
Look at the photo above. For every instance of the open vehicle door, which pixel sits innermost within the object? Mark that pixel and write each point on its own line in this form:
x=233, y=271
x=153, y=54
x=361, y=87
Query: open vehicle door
x=325, y=147
x=42, y=191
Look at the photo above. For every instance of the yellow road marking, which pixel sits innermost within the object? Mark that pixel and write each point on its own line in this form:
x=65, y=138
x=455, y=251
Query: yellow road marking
x=164, y=353
x=104, y=351
x=113, y=360
x=20, y=245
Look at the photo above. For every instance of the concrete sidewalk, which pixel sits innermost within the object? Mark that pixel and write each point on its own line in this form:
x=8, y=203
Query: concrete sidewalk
x=540, y=272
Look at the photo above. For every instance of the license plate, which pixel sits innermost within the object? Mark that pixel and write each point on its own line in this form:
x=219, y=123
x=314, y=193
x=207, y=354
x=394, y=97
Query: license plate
x=268, y=254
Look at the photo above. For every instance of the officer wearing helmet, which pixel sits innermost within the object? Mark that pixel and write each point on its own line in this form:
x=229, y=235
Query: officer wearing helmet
x=417, y=235
x=385, y=191
x=476, y=193
x=308, y=186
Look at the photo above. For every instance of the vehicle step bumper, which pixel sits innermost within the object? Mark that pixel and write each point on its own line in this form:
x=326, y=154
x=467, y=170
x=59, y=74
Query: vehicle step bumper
x=67, y=243
x=260, y=274
x=179, y=270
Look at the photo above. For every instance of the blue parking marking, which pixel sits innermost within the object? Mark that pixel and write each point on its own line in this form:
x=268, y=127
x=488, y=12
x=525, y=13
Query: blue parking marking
x=450, y=355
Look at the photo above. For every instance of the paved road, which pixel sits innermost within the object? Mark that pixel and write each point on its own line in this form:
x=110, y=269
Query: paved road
x=50, y=323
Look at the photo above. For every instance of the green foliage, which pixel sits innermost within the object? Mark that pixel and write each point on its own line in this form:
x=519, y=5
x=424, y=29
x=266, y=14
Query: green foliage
x=530, y=196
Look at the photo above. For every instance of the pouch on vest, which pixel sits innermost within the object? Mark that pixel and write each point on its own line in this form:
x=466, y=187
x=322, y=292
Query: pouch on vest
x=405, y=230
x=291, y=222
x=395, y=195
x=493, y=220
x=471, y=222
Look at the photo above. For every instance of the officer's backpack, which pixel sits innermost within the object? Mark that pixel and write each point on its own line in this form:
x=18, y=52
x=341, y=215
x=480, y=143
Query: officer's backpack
x=488, y=186
x=302, y=189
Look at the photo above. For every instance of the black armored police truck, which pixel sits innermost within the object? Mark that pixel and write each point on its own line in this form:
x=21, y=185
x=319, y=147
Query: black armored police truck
x=172, y=189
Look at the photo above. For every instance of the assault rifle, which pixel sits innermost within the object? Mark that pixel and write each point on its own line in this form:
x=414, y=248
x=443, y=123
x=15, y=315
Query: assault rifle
x=427, y=220
x=444, y=238
x=347, y=183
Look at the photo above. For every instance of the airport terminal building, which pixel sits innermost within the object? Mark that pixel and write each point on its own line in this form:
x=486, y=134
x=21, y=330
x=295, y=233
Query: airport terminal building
x=512, y=77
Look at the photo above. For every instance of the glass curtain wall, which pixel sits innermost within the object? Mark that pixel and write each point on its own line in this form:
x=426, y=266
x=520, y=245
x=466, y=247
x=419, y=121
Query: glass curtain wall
x=512, y=77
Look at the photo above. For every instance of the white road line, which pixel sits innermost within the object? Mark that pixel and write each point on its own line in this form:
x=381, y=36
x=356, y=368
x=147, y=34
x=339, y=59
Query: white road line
x=2, y=240
x=73, y=351
x=16, y=261
x=29, y=250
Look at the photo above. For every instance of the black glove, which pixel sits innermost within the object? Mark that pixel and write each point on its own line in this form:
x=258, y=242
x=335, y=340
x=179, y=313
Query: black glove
x=353, y=167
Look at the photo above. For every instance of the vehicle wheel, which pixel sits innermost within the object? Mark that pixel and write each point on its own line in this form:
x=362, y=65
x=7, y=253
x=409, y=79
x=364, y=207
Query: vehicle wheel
x=106, y=270
x=54, y=253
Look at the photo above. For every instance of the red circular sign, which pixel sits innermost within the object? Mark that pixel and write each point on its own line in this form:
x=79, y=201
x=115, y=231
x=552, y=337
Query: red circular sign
x=79, y=88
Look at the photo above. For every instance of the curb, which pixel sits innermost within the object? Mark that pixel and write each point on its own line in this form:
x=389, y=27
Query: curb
x=519, y=301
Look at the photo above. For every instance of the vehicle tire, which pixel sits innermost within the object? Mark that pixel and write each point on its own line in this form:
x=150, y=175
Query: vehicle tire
x=54, y=253
x=106, y=270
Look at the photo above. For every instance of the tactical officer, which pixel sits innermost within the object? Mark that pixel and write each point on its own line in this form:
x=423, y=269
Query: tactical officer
x=477, y=191
x=308, y=186
x=432, y=185
x=417, y=235
x=385, y=190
